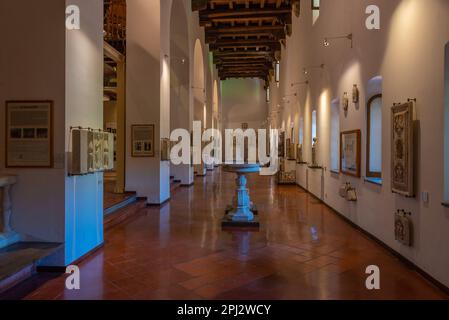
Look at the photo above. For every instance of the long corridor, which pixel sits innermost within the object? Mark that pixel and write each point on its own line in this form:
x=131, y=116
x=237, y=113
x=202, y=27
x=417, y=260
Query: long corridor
x=302, y=251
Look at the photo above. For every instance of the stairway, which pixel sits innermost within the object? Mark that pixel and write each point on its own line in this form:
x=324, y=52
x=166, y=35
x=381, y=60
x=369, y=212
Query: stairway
x=18, y=262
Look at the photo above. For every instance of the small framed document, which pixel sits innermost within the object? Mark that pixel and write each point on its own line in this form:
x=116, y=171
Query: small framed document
x=29, y=134
x=142, y=140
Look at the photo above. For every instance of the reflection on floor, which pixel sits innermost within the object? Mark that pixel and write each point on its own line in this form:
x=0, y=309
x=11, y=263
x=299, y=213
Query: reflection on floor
x=178, y=251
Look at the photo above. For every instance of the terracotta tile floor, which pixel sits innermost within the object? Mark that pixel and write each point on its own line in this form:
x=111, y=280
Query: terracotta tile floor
x=180, y=252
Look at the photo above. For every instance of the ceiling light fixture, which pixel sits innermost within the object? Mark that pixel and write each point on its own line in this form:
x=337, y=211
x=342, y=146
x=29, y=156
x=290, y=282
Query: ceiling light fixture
x=327, y=43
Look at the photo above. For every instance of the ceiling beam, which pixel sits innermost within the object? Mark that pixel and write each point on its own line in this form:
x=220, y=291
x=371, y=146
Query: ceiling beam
x=224, y=13
x=285, y=18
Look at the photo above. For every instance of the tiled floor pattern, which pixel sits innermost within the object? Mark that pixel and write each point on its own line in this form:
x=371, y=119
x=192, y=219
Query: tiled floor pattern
x=302, y=251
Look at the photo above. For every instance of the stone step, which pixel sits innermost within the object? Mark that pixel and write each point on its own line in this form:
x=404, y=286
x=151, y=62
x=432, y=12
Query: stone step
x=18, y=262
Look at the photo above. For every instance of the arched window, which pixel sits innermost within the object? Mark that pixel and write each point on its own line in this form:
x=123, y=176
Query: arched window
x=446, y=126
x=314, y=129
x=335, y=135
x=374, y=139
x=315, y=10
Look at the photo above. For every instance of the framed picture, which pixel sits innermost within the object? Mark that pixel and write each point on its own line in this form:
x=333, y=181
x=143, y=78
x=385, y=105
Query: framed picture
x=350, y=153
x=142, y=140
x=281, y=145
x=288, y=148
x=29, y=134
x=402, y=180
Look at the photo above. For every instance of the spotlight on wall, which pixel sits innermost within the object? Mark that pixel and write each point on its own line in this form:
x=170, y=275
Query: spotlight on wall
x=267, y=91
x=198, y=88
x=307, y=70
x=289, y=95
x=182, y=60
x=327, y=43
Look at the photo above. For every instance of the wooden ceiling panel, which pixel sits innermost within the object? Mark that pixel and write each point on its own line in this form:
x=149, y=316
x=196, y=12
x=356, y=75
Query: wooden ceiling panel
x=245, y=36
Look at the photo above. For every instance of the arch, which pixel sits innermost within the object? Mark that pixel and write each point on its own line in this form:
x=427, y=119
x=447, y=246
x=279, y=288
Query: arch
x=446, y=123
x=374, y=86
x=198, y=86
x=180, y=115
x=335, y=135
x=179, y=67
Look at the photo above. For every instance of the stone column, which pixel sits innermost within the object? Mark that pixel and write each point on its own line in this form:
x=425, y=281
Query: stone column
x=243, y=205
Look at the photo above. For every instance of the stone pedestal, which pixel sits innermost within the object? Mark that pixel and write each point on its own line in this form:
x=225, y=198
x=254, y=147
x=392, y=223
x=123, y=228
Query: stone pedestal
x=240, y=213
x=7, y=235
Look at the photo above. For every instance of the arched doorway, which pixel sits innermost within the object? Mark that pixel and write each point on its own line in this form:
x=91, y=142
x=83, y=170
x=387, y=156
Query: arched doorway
x=199, y=94
x=179, y=82
x=114, y=101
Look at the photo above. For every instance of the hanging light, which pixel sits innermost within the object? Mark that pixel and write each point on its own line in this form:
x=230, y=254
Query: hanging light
x=277, y=72
x=267, y=91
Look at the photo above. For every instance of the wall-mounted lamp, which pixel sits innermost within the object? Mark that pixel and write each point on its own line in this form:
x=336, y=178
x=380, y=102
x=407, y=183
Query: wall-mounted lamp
x=198, y=88
x=180, y=59
x=290, y=95
x=307, y=69
x=300, y=83
x=327, y=42
x=268, y=93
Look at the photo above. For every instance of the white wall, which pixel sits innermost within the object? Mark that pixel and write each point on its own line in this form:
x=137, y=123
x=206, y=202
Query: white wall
x=40, y=60
x=84, y=107
x=32, y=67
x=144, y=72
x=408, y=52
x=243, y=101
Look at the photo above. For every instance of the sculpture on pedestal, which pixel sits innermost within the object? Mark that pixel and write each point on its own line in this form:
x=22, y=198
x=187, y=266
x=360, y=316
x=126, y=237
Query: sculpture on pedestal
x=7, y=234
x=241, y=212
x=314, y=157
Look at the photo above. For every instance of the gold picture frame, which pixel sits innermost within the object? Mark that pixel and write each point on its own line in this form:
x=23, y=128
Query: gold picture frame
x=142, y=141
x=350, y=153
x=29, y=134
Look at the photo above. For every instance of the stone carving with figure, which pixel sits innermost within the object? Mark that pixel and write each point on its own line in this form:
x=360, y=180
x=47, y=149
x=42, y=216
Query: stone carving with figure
x=7, y=235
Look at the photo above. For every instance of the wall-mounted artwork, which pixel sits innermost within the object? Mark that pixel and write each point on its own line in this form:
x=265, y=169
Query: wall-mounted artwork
x=29, y=134
x=402, y=149
x=350, y=153
x=355, y=94
x=142, y=140
x=288, y=148
x=345, y=102
x=92, y=151
x=403, y=228
x=292, y=152
x=281, y=146
x=299, y=157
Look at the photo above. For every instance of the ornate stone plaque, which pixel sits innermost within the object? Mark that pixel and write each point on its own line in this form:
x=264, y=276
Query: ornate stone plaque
x=402, y=149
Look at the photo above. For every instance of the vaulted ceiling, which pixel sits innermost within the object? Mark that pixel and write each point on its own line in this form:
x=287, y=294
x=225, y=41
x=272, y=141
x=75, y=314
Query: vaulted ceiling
x=245, y=36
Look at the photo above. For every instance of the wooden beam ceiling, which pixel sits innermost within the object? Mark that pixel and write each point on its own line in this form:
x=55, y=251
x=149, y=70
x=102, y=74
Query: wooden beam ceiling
x=245, y=36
